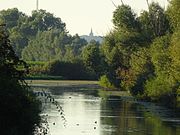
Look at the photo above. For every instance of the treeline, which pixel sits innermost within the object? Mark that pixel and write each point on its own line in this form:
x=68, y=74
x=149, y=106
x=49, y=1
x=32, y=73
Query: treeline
x=40, y=36
x=43, y=38
x=82, y=66
x=142, y=53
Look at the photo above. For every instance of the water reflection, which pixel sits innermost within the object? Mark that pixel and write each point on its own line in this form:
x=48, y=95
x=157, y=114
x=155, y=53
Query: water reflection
x=88, y=114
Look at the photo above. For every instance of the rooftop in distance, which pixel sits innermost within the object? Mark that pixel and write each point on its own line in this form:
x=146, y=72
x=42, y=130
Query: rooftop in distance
x=91, y=36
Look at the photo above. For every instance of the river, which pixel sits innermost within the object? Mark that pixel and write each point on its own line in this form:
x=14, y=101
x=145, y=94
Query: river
x=80, y=110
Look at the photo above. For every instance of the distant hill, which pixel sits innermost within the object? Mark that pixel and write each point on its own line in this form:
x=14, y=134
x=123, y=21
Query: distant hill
x=91, y=36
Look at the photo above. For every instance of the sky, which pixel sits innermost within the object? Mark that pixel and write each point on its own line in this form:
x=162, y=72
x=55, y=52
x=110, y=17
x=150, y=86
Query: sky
x=80, y=15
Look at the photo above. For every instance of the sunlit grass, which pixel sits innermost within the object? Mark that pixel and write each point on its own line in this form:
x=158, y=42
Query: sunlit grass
x=61, y=82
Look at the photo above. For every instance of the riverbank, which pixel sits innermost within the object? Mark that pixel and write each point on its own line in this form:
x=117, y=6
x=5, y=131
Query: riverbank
x=44, y=77
x=83, y=84
x=60, y=82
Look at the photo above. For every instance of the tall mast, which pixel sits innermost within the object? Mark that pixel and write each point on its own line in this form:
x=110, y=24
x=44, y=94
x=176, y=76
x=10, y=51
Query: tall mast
x=37, y=5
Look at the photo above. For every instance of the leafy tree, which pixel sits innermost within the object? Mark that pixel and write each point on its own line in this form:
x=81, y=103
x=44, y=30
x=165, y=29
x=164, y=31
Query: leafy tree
x=24, y=28
x=42, y=21
x=91, y=57
x=11, y=17
x=14, y=19
x=175, y=55
x=18, y=41
x=154, y=22
x=173, y=12
x=141, y=69
x=142, y=53
x=19, y=107
x=69, y=54
x=160, y=55
x=48, y=45
x=124, y=17
x=121, y=42
x=77, y=44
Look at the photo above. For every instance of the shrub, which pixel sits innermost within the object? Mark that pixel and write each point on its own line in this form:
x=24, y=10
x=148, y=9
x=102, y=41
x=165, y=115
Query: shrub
x=158, y=88
x=69, y=70
x=105, y=82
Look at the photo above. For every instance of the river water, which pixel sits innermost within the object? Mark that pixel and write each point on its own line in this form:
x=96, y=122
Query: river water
x=83, y=112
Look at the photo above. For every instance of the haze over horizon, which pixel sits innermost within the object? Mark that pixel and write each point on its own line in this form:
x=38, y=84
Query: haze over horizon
x=80, y=15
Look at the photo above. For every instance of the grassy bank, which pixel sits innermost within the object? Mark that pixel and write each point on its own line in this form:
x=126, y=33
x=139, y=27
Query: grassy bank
x=61, y=82
x=82, y=84
x=44, y=77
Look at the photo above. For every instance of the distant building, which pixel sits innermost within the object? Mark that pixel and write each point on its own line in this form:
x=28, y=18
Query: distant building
x=91, y=36
x=91, y=33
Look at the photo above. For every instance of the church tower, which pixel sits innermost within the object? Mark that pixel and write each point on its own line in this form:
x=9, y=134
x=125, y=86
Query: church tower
x=91, y=33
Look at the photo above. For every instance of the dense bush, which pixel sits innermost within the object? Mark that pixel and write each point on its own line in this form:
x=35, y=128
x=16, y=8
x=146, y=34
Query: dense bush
x=158, y=87
x=68, y=70
x=36, y=68
x=105, y=82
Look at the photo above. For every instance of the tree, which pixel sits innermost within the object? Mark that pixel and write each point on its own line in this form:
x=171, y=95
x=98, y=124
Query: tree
x=175, y=55
x=77, y=44
x=121, y=43
x=123, y=17
x=42, y=21
x=24, y=28
x=19, y=107
x=11, y=17
x=154, y=22
x=91, y=57
x=14, y=20
x=173, y=12
x=48, y=45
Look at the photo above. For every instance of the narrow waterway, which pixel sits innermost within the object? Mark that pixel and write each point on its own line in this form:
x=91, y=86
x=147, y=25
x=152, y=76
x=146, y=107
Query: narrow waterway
x=84, y=112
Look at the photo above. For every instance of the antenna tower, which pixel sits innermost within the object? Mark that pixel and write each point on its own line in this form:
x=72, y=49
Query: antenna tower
x=37, y=5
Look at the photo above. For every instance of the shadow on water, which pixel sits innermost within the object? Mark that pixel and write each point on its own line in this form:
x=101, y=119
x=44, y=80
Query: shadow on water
x=87, y=113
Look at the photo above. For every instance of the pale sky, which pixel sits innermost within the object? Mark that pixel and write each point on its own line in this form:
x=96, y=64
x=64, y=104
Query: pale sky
x=79, y=15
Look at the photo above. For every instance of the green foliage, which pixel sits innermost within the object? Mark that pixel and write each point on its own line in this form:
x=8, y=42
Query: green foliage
x=11, y=17
x=14, y=19
x=105, y=82
x=92, y=58
x=24, y=29
x=154, y=22
x=19, y=107
x=124, y=17
x=43, y=21
x=175, y=55
x=164, y=85
x=120, y=44
x=53, y=45
x=68, y=70
x=174, y=14
x=142, y=55
x=142, y=69
x=160, y=54
x=36, y=68
x=47, y=46
x=77, y=44
x=157, y=20
x=159, y=87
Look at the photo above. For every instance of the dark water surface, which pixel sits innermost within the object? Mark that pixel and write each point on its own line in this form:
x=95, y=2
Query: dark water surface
x=86, y=113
